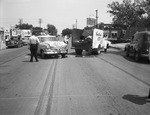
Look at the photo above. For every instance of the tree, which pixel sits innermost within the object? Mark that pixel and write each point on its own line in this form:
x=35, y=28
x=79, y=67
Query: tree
x=51, y=29
x=24, y=26
x=128, y=13
x=66, y=31
x=37, y=30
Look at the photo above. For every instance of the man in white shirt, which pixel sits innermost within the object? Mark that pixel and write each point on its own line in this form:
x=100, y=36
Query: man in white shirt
x=66, y=39
x=33, y=42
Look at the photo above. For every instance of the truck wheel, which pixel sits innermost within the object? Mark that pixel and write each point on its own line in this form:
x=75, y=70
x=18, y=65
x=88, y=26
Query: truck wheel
x=63, y=55
x=97, y=52
x=78, y=51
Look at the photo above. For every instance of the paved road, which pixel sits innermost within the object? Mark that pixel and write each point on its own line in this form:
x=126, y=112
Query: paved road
x=107, y=84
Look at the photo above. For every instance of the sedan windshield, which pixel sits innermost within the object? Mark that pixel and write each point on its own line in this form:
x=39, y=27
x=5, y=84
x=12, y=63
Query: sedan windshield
x=44, y=39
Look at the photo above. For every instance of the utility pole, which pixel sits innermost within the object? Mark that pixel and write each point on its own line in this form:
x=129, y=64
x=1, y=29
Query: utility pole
x=20, y=22
x=76, y=23
x=96, y=18
x=40, y=21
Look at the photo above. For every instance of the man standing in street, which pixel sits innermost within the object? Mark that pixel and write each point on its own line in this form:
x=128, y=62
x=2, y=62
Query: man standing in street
x=33, y=42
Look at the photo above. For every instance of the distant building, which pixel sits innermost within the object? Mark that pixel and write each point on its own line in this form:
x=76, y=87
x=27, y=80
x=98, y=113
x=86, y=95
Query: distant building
x=112, y=33
x=2, y=39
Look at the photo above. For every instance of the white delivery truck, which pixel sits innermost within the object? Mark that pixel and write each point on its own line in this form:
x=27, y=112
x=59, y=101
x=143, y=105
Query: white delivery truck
x=25, y=34
x=91, y=40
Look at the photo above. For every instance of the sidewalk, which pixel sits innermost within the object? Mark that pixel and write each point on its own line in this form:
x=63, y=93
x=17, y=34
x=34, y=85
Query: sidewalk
x=2, y=46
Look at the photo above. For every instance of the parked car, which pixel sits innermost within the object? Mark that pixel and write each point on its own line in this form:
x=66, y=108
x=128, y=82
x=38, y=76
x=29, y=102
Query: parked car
x=14, y=41
x=139, y=46
x=49, y=45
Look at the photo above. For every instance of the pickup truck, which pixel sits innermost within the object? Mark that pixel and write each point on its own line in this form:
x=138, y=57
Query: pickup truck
x=14, y=41
x=139, y=46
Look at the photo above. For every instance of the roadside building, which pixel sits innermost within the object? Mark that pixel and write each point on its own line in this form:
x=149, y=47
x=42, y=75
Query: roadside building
x=6, y=34
x=132, y=30
x=111, y=32
x=2, y=39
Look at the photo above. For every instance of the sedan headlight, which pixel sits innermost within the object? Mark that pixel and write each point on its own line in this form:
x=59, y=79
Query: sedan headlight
x=46, y=47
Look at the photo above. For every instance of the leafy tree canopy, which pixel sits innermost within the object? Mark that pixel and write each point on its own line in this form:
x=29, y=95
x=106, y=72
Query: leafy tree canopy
x=51, y=29
x=130, y=13
x=66, y=31
x=37, y=30
x=24, y=26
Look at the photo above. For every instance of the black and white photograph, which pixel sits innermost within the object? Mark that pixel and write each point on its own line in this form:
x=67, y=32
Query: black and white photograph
x=74, y=57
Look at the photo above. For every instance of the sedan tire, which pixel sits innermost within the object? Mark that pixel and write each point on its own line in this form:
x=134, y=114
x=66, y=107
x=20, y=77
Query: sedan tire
x=137, y=57
x=42, y=54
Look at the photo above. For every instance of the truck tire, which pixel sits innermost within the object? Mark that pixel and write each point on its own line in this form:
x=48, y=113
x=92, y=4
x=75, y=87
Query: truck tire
x=63, y=55
x=97, y=52
x=78, y=51
x=105, y=50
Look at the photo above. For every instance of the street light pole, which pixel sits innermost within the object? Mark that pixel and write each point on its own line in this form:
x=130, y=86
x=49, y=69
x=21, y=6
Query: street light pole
x=96, y=18
x=40, y=21
x=76, y=23
x=20, y=22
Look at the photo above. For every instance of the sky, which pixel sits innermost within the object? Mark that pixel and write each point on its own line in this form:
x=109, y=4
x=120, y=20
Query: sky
x=60, y=13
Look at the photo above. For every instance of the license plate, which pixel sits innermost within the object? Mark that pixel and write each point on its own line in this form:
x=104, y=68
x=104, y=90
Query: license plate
x=63, y=51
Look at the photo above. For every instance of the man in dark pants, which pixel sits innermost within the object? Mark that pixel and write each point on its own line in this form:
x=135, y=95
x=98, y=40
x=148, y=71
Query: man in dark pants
x=33, y=42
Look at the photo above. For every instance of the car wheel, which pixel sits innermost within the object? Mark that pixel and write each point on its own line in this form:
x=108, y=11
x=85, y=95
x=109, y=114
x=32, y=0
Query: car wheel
x=42, y=54
x=127, y=53
x=137, y=57
x=78, y=51
x=18, y=46
x=105, y=50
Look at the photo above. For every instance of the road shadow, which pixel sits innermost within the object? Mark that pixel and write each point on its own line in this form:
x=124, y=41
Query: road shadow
x=142, y=60
x=116, y=51
x=46, y=57
x=130, y=58
x=83, y=55
x=140, y=100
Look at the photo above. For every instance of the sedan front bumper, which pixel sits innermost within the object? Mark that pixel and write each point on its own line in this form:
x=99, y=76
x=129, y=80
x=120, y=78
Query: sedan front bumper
x=63, y=51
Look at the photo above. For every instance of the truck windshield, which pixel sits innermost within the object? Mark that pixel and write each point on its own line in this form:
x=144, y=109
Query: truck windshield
x=147, y=37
